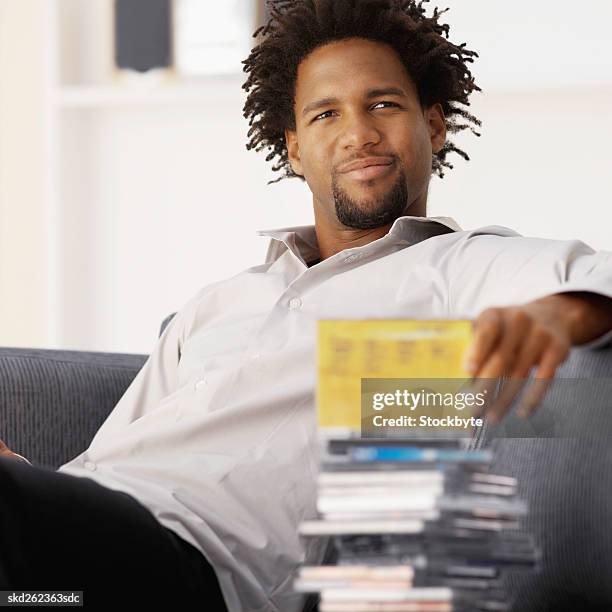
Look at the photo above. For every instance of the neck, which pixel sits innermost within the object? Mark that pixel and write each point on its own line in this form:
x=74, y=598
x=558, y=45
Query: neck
x=334, y=237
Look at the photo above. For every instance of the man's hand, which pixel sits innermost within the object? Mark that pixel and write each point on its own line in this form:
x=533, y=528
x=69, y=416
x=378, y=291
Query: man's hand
x=509, y=341
x=5, y=451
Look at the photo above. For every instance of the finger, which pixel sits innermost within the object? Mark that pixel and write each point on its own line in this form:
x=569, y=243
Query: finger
x=537, y=389
x=499, y=363
x=487, y=330
x=515, y=325
x=551, y=359
x=501, y=405
x=487, y=375
x=529, y=354
x=484, y=389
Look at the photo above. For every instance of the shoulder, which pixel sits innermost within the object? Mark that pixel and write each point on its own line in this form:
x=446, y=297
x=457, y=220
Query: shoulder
x=211, y=300
x=500, y=231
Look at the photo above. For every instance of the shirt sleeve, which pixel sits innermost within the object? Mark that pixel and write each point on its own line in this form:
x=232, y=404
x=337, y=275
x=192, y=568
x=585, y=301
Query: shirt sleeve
x=503, y=268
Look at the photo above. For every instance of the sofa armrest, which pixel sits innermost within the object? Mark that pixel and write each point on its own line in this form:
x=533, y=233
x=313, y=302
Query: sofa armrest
x=52, y=402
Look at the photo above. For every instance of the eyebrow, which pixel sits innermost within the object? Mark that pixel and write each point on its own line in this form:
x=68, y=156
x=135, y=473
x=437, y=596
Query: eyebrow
x=371, y=93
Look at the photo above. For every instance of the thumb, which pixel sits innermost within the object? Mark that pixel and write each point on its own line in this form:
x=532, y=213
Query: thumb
x=4, y=449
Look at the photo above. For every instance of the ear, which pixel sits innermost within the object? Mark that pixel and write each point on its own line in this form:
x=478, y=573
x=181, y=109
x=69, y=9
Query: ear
x=436, y=123
x=293, y=151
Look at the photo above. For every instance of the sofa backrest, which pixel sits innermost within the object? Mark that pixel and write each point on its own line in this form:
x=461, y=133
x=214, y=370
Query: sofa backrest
x=165, y=322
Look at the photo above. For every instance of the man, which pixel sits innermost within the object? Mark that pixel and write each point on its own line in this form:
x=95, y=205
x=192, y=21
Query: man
x=216, y=436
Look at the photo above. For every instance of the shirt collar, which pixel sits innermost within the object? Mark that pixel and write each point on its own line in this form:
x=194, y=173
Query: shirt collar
x=302, y=239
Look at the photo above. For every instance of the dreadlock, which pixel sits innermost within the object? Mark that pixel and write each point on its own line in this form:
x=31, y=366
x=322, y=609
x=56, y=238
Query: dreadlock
x=296, y=27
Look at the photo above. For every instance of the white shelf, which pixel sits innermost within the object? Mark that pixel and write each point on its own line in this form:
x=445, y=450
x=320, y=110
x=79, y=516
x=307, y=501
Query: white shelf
x=123, y=147
x=210, y=90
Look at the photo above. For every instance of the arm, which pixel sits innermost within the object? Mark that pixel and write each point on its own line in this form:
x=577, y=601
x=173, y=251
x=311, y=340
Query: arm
x=592, y=316
x=535, y=299
x=506, y=270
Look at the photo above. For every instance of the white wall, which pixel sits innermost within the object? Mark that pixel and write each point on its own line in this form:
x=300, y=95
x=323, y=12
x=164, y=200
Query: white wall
x=22, y=314
x=542, y=166
x=159, y=201
x=160, y=207
x=534, y=44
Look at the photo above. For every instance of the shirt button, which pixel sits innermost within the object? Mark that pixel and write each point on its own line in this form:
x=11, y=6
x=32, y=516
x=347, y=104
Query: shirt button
x=295, y=303
x=200, y=383
x=90, y=465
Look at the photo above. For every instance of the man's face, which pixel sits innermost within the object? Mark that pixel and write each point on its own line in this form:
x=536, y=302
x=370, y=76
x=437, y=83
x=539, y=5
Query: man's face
x=362, y=141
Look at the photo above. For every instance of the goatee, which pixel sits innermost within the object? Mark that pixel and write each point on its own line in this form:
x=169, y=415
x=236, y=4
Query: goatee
x=369, y=215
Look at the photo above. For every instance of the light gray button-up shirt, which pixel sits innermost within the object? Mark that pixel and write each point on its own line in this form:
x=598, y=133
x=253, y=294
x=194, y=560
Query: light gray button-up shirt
x=216, y=435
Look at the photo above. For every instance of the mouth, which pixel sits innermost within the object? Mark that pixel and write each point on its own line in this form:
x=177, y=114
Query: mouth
x=368, y=168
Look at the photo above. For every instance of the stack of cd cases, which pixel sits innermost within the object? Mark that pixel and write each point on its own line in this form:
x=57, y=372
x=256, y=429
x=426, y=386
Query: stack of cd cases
x=416, y=519
x=418, y=526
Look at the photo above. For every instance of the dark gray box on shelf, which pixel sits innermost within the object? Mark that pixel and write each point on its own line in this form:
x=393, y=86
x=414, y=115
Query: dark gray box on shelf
x=142, y=34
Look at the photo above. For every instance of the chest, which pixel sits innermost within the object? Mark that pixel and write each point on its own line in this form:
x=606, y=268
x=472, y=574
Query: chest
x=256, y=315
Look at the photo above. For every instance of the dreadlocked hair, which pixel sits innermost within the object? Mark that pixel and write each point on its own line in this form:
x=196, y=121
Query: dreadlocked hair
x=297, y=27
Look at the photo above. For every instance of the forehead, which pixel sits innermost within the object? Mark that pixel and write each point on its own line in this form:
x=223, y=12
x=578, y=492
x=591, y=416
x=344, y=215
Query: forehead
x=349, y=66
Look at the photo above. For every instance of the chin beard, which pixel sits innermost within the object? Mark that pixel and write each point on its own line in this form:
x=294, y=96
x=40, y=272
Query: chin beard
x=382, y=211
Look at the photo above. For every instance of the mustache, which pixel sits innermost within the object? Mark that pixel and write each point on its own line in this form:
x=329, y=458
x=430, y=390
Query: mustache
x=336, y=171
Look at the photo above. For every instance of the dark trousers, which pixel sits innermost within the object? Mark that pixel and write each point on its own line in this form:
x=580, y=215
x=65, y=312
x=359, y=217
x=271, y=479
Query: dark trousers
x=62, y=532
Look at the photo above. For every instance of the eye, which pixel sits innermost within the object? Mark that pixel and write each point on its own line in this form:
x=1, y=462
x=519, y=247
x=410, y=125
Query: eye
x=322, y=115
x=386, y=102
x=327, y=113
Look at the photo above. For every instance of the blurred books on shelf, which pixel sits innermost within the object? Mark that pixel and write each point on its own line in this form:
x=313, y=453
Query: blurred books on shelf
x=212, y=38
x=142, y=37
x=185, y=39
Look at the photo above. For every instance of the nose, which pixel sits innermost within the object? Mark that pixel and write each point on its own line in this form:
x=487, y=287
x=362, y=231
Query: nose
x=358, y=131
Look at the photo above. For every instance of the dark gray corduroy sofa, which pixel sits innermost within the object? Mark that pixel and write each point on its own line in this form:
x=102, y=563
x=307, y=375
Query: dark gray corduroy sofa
x=53, y=401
